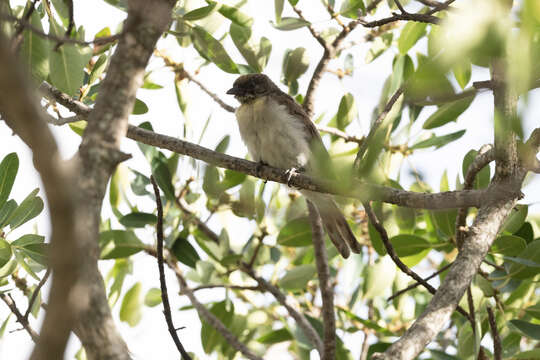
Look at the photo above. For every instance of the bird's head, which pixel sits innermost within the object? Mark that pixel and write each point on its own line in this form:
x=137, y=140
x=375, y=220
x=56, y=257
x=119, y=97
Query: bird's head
x=251, y=86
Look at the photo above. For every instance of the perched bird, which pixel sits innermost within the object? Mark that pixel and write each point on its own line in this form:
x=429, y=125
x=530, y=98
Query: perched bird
x=278, y=132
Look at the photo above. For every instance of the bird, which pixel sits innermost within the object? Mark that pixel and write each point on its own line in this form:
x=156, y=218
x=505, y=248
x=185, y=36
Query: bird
x=278, y=132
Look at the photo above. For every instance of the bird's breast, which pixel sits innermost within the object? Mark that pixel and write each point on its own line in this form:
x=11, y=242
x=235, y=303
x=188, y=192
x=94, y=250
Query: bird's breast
x=272, y=134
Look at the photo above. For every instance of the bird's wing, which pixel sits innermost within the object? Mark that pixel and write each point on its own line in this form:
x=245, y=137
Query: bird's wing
x=320, y=163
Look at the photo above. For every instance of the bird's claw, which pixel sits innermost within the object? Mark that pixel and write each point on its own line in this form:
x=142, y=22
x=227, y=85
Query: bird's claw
x=291, y=172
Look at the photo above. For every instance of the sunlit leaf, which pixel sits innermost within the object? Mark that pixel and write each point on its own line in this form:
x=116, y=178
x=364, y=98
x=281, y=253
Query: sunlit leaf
x=295, y=233
x=276, y=336
x=379, y=277
x=139, y=107
x=212, y=50
x=8, y=171
x=447, y=113
x=410, y=34
x=118, y=244
x=290, y=23
x=298, y=277
x=5, y=252
x=152, y=297
x=295, y=63
x=200, y=13
x=29, y=208
x=438, y=141
x=130, y=311
x=347, y=111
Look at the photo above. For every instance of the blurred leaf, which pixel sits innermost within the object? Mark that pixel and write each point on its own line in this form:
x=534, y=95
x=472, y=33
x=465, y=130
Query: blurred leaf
x=406, y=245
x=210, y=338
x=462, y=73
x=119, y=244
x=160, y=171
x=119, y=4
x=526, y=232
x=278, y=6
x=438, y=141
x=67, y=63
x=509, y=245
x=28, y=239
x=200, y=13
x=255, y=55
x=29, y=208
x=528, y=355
x=482, y=178
x=349, y=8
x=78, y=127
x=516, y=218
x=447, y=113
x=138, y=186
x=8, y=171
x=379, y=277
x=234, y=14
x=276, y=336
x=98, y=68
x=428, y=81
x=347, y=111
x=35, y=50
x=152, y=297
x=121, y=268
x=528, y=329
x=211, y=184
x=130, y=311
x=232, y=178
x=349, y=64
x=5, y=252
x=4, y=325
x=139, y=107
x=526, y=263
x=212, y=50
x=138, y=219
x=8, y=268
x=290, y=23
x=376, y=240
x=379, y=46
x=36, y=252
x=445, y=221
x=296, y=233
x=19, y=256
x=296, y=63
x=185, y=252
x=410, y=34
x=298, y=277
x=534, y=311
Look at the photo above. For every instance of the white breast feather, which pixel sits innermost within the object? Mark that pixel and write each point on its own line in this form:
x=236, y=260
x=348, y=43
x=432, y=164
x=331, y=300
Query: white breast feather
x=272, y=134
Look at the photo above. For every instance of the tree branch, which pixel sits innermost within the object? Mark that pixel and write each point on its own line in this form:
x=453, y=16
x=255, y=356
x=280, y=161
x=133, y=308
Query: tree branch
x=392, y=253
x=300, y=319
x=21, y=111
x=416, y=284
x=497, y=348
x=327, y=293
x=162, y=282
x=425, y=18
x=36, y=293
x=23, y=320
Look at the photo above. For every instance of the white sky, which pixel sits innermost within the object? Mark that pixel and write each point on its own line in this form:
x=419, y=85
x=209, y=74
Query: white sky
x=150, y=338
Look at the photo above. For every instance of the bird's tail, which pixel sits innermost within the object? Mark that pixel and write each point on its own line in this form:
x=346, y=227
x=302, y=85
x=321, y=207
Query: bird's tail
x=334, y=223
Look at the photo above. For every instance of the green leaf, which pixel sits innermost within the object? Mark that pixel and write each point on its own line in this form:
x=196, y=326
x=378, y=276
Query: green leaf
x=407, y=245
x=152, y=297
x=29, y=208
x=119, y=244
x=347, y=111
x=8, y=171
x=290, y=23
x=482, y=178
x=516, y=219
x=35, y=50
x=526, y=263
x=296, y=233
x=139, y=107
x=349, y=8
x=21, y=261
x=232, y=178
x=298, y=277
x=379, y=277
x=36, y=252
x=445, y=221
x=379, y=46
x=447, y=113
x=278, y=6
x=528, y=355
x=138, y=219
x=509, y=245
x=462, y=73
x=235, y=15
x=121, y=268
x=130, y=311
x=8, y=268
x=160, y=171
x=28, y=239
x=5, y=252
x=438, y=141
x=6, y=210
x=185, y=252
x=200, y=13
x=534, y=311
x=410, y=34
x=67, y=63
x=98, y=69
x=212, y=50
x=4, y=325
x=210, y=338
x=296, y=63
x=276, y=336
x=528, y=329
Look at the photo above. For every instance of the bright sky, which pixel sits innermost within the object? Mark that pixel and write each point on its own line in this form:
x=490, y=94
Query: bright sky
x=150, y=338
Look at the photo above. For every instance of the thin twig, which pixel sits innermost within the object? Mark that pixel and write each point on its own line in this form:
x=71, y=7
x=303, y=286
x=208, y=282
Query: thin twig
x=198, y=222
x=226, y=286
x=472, y=312
x=36, y=292
x=314, y=33
x=163, y=284
x=392, y=253
x=327, y=293
x=20, y=318
x=339, y=133
x=497, y=348
x=300, y=319
x=26, y=25
x=375, y=126
x=425, y=18
x=416, y=284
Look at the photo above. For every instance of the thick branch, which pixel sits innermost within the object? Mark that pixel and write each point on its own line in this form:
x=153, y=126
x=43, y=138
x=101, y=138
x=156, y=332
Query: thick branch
x=300, y=319
x=20, y=109
x=327, y=293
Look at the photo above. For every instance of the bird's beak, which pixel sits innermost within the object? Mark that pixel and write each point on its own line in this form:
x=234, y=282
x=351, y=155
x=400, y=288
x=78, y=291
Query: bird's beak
x=234, y=91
